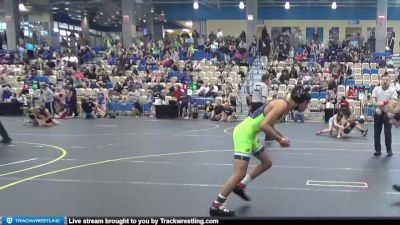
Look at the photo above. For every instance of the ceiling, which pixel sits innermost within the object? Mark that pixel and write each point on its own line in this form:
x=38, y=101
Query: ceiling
x=107, y=12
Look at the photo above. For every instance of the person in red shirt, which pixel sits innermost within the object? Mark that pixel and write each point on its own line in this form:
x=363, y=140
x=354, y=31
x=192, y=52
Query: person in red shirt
x=177, y=92
x=343, y=103
x=181, y=99
x=351, y=93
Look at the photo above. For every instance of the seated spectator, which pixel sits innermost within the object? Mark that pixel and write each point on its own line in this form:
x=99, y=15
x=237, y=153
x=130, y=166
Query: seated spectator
x=88, y=108
x=228, y=113
x=208, y=110
x=218, y=110
x=204, y=89
x=6, y=94
x=351, y=93
x=137, y=109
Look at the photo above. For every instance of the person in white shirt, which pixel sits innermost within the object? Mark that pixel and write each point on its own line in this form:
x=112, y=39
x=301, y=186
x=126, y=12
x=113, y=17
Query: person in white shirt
x=48, y=98
x=380, y=96
x=220, y=34
x=204, y=89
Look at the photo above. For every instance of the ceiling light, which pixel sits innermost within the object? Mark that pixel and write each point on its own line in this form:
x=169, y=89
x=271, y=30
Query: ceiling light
x=165, y=21
x=22, y=7
x=169, y=31
x=94, y=20
x=250, y=17
x=241, y=5
x=101, y=13
x=287, y=5
x=66, y=9
x=113, y=16
x=162, y=13
x=195, y=5
x=152, y=9
x=117, y=12
x=334, y=6
x=186, y=30
x=189, y=23
x=54, y=8
x=67, y=3
x=144, y=21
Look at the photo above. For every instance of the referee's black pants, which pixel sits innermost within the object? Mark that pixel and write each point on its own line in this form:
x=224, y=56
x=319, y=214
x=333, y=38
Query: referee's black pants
x=3, y=132
x=379, y=122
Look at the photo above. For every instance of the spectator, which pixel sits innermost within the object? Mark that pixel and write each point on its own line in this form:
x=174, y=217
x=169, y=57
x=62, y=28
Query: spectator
x=218, y=110
x=88, y=108
x=228, y=113
x=343, y=104
x=72, y=101
x=208, y=110
x=48, y=98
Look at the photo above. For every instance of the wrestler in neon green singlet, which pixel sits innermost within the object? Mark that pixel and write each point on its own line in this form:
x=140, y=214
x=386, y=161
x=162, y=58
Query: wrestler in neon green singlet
x=245, y=138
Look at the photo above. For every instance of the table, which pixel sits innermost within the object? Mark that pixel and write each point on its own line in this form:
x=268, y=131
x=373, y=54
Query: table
x=329, y=112
x=167, y=111
x=11, y=108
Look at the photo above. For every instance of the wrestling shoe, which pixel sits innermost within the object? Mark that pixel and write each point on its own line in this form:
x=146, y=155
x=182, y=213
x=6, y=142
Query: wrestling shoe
x=6, y=141
x=241, y=194
x=221, y=211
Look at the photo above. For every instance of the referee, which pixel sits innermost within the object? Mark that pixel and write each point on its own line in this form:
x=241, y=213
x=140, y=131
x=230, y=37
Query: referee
x=3, y=133
x=381, y=95
x=260, y=94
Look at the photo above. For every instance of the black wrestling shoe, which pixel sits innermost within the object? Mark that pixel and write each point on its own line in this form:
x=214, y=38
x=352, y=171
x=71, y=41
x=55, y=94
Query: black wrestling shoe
x=377, y=153
x=396, y=187
x=241, y=194
x=221, y=211
x=364, y=132
x=390, y=153
x=6, y=141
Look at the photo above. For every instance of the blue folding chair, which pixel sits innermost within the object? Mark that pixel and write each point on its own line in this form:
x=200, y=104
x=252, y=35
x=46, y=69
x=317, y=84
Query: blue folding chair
x=323, y=94
x=315, y=95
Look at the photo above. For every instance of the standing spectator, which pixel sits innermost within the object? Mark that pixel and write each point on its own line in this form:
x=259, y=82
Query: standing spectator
x=102, y=100
x=343, y=104
x=381, y=95
x=315, y=35
x=72, y=101
x=48, y=98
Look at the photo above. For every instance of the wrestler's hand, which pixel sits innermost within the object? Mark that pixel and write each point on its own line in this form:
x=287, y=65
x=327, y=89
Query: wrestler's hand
x=284, y=142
